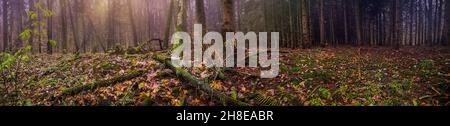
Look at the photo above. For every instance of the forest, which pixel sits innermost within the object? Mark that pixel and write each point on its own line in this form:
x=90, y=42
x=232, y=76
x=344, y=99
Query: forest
x=331, y=53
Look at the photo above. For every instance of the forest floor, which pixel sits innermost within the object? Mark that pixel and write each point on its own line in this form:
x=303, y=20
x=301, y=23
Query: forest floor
x=345, y=76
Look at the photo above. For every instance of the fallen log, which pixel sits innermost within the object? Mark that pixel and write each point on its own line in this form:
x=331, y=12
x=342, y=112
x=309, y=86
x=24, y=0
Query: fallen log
x=194, y=82
x=103, y=83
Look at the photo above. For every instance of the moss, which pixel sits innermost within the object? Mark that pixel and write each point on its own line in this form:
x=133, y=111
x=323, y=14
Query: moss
x=103, y=83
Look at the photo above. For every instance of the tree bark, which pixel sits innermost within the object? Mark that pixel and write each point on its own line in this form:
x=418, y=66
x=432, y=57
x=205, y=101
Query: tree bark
x=49, y=28
x=344, y=2
x=396, y=24
x=446, y=41
x=64, y=37
x=73, y=23
x=169, y=23
x=5, y=25
x=228, y=18
x=21, y=12
x=200, y=14
x=133, y=24
x=357, y=22
x=306, y=25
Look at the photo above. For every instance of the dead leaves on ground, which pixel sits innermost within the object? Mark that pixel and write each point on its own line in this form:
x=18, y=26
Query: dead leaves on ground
x=311, y=77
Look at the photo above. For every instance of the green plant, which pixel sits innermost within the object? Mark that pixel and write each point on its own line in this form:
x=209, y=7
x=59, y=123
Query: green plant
x=401, y=88
x=325, y=93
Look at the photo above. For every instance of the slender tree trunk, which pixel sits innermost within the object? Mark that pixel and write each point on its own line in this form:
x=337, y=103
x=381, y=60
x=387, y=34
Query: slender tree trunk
x=84, y=27
x=439, y=26
x=133, y=24
x=411, y=24
x=169, y=23
x=5, y=25
x=200, y=14
x=441, y=22
x=396, y=24
x=20, y=11
x=344, y=2
x=446, y=33
x=323, y=42
x=49, y=28
x=111, y=40
x=181, y=16
x=357, y=22
x=228, y=18
x=73, y=23
x=149, y=19
x=305, y=23
x=64, y=37
x=291, y=25
x=31, y=26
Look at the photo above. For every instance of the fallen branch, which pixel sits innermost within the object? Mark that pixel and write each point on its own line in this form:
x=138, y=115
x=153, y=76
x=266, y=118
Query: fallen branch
x=194, y=82
x=103, y=83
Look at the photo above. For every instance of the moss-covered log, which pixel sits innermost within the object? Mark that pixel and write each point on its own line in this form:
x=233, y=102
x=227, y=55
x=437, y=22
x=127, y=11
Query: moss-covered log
x=194, y=82
x=103, y=83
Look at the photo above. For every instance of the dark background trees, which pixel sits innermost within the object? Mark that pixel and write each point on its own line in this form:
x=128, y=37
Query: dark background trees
x=99, y=25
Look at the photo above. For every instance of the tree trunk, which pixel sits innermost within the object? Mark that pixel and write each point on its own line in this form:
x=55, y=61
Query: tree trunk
x=181, y=16
x=357, y=22
x=133, y=24
x=111, y=40
x=322, y=24
x=446, y=41
x=345, y=22
x=411, y=23
x=64, y=37
x=21, y=13
x=396, y=24
x=49, y=28
x=73, y=23
x=228, y=18
x=30, y=24
x=169, y=23
x=305, y=23
x=200, y=14
x=5, y=25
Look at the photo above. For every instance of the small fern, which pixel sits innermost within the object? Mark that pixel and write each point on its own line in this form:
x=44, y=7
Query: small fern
x=262, y=100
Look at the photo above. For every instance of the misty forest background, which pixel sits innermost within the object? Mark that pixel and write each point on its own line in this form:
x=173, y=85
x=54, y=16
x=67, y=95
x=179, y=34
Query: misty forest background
x=334, y=52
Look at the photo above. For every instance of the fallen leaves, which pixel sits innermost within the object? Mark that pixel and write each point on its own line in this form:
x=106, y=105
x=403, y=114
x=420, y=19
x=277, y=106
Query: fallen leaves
x=217, y=85
x=312, y=77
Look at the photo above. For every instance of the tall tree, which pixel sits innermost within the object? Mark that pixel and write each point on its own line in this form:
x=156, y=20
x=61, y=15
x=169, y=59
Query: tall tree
x=357, y=22
x=396, y=24
x=133, y=23
x=5, y=25
x=344, y=2
x=446, y=41
x=200, y=13
x=228, y=18
x=74, y=27
x=49, y=28
x=31, y=23
x=111, y=24
x=21, y=12
x=172, y=4
x=305, y=24
x=322, y=23
x=181, y=16
x=63, y=6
